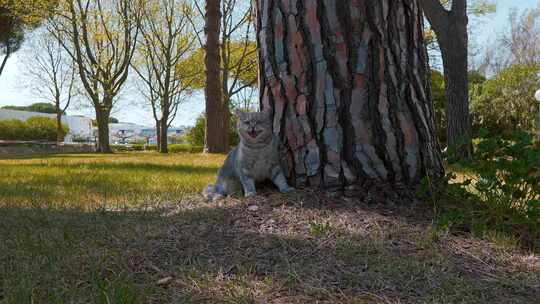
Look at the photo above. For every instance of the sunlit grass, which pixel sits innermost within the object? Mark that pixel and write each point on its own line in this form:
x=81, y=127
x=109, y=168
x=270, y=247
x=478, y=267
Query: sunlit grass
x=110, y=181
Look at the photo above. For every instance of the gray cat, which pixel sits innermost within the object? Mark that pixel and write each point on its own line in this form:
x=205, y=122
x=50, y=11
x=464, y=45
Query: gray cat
x=255, y=159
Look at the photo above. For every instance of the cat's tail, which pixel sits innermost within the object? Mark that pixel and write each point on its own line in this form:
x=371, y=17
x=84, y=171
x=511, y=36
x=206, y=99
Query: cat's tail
x=212, y=193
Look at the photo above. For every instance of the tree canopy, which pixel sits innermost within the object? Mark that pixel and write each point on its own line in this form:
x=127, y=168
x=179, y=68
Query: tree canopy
x=17, y=17
x=194, y=65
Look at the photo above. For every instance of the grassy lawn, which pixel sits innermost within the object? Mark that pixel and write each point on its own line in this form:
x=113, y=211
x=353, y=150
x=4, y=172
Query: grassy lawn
x=89, y=181
x=131, y=228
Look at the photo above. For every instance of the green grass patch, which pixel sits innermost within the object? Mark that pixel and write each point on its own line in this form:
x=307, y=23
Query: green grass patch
x=109, y=181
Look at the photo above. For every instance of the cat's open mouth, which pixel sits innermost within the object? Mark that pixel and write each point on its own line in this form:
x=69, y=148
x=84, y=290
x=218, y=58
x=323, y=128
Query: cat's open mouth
x=253, y=133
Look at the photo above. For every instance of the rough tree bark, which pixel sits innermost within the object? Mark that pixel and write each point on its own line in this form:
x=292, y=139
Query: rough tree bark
x=59, y=128
x=102, y=118
x=451, y=30
x=163, y=143
x=158, y=133
x=347, y=83
x=216, y=124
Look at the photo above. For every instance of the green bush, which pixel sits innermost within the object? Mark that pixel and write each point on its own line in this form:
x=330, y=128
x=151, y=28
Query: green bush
x=35, y=128
x=13, y=129
x=500, y=191
x=505, y=104
x=195, y=136
x=132, y=148
x=509, y=174
x=185, y=148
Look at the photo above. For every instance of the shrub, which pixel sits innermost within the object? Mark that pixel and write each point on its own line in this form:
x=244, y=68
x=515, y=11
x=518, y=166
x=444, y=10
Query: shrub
x=505, y=103
x=509, y=174
x=35, y=128
x=500, y=191
x=13, y=129
x=185, y=148
x=195, y=136
x=43, y=128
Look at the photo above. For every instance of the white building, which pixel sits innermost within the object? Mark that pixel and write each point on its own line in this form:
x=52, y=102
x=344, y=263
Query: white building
x=124, y=133
x=80, y=127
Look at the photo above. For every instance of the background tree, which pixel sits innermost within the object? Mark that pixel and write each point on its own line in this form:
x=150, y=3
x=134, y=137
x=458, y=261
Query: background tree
x=476, y=80
x=17, y=17
x=167, y=40
x=437, y=95
x=451, y=30
x=40, y=107
x=238, y=51
x=477, y=10
x=244, y=79
x=195, y=135
x=523, y=39
x=51, y=75
x=101, y=37
x=216, y=124
x=520, y=44
x=11, y=38
x=237, y=48
x=348, y=85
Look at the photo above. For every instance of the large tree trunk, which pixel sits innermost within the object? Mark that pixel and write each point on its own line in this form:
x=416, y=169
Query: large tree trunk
x=215, y=131
x=163, y=142
x=348, y=84
x=102, y=118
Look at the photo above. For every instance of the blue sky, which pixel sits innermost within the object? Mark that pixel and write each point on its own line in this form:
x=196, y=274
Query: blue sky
x=11, y=92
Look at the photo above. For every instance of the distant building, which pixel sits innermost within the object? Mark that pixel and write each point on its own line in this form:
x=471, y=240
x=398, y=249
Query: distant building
x=126, y=133
x=80, y=127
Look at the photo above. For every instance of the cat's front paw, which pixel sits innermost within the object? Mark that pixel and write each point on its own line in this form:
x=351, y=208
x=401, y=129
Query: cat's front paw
x=287, y=190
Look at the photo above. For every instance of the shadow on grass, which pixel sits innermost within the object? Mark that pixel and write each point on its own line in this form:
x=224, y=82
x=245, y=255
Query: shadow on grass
x=227, y=254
